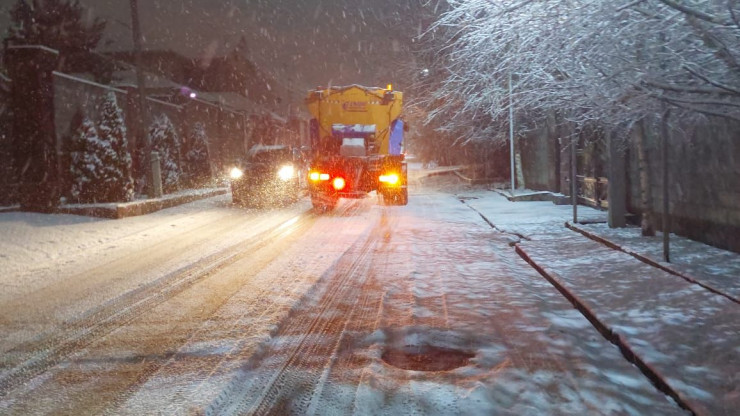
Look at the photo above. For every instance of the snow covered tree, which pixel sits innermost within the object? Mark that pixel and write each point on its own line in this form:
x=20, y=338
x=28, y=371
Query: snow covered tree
x=614, y=65
x=87, y=170
x=60, y=25
x=198, y=163
x=117, y=174
x=164, y=140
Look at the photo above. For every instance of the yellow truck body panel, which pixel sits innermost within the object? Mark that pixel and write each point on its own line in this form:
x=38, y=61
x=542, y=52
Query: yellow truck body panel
x=355, y=104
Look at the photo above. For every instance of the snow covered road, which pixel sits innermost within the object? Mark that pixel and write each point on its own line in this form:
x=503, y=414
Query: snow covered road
x=212, y=309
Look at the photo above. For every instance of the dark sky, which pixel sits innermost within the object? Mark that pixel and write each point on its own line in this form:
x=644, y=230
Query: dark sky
x=303, y=43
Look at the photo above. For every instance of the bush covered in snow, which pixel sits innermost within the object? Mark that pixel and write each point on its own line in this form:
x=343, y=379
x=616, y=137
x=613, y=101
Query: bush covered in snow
x=117, y=170
x=87, y=170
x=198, y=164
x=164, y=140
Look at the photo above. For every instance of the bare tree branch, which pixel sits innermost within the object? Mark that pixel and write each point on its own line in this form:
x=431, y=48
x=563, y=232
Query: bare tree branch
x=630, y=5
x=693, y=90
x=709, y=81
x=695, y=13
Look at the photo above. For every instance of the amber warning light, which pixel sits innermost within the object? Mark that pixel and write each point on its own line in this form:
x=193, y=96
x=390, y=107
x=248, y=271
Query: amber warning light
x=390, y=179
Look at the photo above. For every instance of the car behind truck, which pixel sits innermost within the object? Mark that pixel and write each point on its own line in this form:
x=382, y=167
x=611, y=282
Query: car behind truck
x=356, y=141
x=268, y=177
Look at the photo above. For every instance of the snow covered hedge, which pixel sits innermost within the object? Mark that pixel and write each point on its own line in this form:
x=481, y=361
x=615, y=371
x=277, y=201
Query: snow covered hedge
x=197, y=159
x=100, y=161
x=164, y=140
x=87, y=154
x=119, y=183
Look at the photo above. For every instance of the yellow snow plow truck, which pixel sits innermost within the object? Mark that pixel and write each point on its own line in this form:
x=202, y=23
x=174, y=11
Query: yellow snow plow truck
x=356, y=145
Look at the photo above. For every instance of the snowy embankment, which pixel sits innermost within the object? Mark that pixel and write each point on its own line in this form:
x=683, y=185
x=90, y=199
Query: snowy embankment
x=140, y=207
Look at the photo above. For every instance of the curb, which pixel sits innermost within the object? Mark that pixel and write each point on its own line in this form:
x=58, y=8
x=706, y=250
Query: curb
x=132, y=209
x=649, y=261
x=471, y=181
x=536, y=196
x=12, y=208
x=658, y=380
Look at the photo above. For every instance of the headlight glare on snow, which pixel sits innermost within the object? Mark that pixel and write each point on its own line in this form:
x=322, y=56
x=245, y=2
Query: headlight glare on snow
x=236, y=173
x=286, y=172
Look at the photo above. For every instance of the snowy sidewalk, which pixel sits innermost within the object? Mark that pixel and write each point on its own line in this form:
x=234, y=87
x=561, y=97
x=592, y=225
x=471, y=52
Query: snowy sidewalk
x=716, y=269
x=683, y=336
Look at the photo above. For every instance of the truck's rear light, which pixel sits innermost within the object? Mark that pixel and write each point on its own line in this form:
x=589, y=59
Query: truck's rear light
x=316, y=176
x=339, y=183
x=390, y=179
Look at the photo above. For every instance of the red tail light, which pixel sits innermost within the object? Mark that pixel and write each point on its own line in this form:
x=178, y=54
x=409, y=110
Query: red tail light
x=339, y=183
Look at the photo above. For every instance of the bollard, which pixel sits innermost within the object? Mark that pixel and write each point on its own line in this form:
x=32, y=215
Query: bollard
x=156, y=175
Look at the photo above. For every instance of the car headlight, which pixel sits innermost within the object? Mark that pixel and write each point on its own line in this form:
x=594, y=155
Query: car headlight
x=286, y=172
x=236, y=173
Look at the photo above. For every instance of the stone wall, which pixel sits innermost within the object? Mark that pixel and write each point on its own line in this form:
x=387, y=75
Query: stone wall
x=704, y=174
x=704, y=182
x=540, y=151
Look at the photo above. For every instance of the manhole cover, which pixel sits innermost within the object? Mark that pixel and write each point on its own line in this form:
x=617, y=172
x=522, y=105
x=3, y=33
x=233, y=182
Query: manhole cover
x=426, y=358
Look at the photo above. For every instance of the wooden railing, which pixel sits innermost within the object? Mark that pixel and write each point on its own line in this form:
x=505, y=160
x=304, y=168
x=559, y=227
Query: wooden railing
x=593, y=191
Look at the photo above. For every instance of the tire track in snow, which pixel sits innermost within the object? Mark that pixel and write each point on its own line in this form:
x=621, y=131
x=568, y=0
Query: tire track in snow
x=291, y=370
x=44, y=354
x=257, y=303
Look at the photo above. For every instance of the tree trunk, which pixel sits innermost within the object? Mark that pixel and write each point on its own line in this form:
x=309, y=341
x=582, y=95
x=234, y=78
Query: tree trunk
x=617, y=194
x=520, y=183
x=647, y=223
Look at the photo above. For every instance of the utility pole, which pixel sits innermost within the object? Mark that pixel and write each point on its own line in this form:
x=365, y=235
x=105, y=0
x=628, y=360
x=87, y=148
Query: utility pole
x=511, y=133
x=666, y=203
x=140, y=81
x=574, y=176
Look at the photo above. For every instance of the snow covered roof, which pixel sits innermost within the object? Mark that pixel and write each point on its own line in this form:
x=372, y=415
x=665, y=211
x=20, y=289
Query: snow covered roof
x=127, y=78
x=260, y=148
x=230, y=100
x=346, y=87
x=85, y=78
x=236, y=101
x=40, y=47
x=276, y=117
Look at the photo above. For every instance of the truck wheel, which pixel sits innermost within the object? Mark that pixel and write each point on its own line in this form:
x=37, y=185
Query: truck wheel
x=323, y=204
x=400, y=197
x=403, y=197
x=389, y=198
